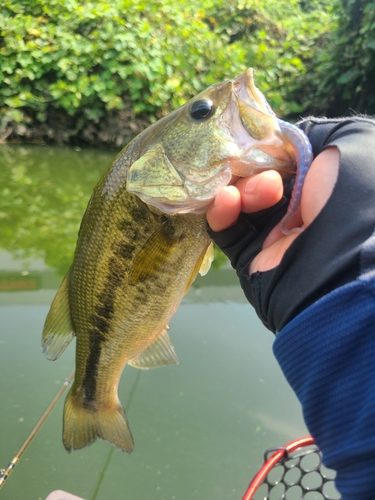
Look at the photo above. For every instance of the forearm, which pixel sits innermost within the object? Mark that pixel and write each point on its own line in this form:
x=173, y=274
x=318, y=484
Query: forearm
x=327, y=354
x=319, y=298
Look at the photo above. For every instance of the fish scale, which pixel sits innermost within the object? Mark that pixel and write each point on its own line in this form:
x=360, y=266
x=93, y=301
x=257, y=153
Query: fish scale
x=112, y=275
x=143, y=240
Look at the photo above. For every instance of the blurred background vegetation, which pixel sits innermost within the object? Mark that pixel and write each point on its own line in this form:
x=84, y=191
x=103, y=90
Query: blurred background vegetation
x=99, y=72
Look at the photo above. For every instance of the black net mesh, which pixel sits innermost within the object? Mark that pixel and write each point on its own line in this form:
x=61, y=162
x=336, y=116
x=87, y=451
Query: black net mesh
x=300, y=475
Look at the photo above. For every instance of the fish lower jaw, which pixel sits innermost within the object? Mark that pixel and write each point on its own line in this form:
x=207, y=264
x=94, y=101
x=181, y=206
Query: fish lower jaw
x=247, y=167
x=189, y=205
x=256, y=160
x=193, y=196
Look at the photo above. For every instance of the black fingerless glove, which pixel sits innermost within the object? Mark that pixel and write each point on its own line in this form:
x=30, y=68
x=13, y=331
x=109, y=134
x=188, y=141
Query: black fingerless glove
x=243, y=241
x=329, y=252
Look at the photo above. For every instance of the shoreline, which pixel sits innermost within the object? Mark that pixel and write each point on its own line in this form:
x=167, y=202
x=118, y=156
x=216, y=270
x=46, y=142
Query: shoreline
x=113, y=131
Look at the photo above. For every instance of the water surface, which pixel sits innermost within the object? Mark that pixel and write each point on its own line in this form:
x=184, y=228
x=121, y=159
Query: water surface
x=200, y=428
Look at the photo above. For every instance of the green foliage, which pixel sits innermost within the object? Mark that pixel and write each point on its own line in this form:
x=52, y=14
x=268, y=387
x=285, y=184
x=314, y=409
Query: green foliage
x=345, y=64
x=83, y=57
x=280, y=46
x=88, y=59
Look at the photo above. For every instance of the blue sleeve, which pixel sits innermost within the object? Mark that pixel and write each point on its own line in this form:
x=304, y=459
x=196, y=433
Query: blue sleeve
x=327, y=354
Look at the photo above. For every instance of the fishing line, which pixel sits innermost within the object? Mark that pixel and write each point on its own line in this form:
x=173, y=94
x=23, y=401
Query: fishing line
x=110, y=453
x=5, y=473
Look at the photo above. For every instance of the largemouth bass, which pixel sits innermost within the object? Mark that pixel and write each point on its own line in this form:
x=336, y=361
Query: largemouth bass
x=142, y=242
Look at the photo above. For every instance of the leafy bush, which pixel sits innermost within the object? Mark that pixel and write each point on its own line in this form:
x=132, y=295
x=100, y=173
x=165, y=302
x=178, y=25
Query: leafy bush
x=280, y=46
x=70, y=64
x=345, y=64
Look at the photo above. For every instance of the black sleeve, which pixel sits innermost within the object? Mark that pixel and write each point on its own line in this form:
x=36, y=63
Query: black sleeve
x=327, y=254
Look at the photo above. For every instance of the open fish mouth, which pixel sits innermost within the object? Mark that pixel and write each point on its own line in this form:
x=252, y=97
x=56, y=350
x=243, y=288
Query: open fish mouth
x=239, y=135
x=256, y=131
x=247, y=92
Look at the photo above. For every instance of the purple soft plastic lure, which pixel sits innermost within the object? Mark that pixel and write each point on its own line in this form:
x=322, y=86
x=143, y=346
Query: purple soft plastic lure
x=304, y=156
x=302, y=149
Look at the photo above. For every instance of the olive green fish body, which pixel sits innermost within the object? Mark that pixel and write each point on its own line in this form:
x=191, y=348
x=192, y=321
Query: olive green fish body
x=143, y=240
x=131, y=268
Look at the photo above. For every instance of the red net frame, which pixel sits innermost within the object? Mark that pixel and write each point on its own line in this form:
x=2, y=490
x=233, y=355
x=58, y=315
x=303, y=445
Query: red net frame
x=290, y=457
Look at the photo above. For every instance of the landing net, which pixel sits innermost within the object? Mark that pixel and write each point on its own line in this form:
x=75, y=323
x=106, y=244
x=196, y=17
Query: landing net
x=293, y=472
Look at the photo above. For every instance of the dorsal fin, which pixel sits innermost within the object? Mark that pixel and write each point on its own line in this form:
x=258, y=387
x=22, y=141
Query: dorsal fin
x=58, y=330
x=159, y=353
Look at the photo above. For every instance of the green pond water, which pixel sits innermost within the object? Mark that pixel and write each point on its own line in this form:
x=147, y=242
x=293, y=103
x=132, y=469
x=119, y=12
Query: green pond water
x=200, y=428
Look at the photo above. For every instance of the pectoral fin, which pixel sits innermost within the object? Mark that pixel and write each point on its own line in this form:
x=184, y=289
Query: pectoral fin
x=58, y=330
x=154, y=254
x=207, y=260
x=202, y=266
x=160, y=353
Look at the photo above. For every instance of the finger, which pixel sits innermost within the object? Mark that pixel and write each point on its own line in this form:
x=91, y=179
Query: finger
x=315, y=195
x=276, y=233
x=260, y=191
x=315, y=192
x=271, y=256
x=225, y=209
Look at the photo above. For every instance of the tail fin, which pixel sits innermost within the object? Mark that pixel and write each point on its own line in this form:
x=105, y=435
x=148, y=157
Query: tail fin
x=83, y=426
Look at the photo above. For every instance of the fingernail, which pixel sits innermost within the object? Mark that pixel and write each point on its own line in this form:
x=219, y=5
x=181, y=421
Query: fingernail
x=217, y=200
x=250, y=187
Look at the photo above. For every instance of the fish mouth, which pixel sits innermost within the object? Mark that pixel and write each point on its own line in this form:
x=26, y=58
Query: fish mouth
x=256, y=131
x=253, y=143
x=246, y=91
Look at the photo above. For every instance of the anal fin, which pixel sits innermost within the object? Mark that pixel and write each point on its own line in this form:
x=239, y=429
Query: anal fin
x=58, y=330
x=159, y=353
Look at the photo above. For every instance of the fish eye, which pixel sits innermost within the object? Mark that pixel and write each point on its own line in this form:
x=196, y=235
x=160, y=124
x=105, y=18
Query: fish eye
x=202, y=109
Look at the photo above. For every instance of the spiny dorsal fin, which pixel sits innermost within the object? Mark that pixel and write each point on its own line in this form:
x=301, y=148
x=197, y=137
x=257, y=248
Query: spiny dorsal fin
x=58, y=331
x=160, y=353
x=154, y=254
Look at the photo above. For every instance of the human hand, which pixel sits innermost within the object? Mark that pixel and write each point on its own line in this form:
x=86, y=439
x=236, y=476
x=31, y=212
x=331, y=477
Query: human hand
x=281, y=275
x=264, y=190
